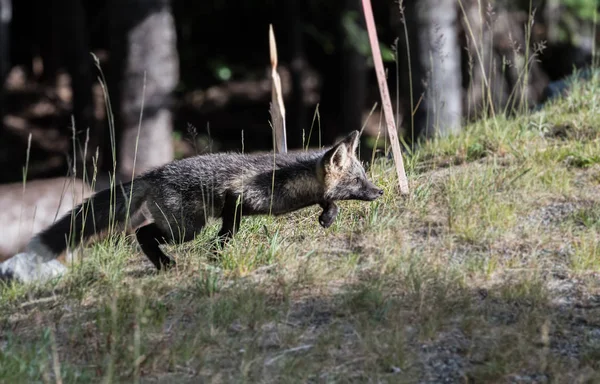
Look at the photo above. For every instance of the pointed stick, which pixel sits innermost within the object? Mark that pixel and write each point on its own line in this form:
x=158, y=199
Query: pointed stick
x=277, y=108
x=385, y=97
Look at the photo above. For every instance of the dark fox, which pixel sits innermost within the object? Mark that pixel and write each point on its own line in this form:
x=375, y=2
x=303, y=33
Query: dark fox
x=172, y=203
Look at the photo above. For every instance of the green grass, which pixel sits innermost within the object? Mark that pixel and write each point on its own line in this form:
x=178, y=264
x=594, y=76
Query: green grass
x=492, y=263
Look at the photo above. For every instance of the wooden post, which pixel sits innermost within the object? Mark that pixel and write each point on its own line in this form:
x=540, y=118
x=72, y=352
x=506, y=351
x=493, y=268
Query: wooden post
x=277, y=108
x=385, y=97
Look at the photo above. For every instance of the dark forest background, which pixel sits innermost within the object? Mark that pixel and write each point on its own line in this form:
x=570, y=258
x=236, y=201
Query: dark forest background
x=198, y=73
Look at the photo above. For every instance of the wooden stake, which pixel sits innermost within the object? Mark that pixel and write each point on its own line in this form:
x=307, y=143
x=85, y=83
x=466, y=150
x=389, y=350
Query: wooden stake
x=385, y=97
x=277, y=108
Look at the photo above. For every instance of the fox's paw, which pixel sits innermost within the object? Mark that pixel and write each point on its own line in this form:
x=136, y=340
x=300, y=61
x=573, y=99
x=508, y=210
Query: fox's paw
x=328, y=216
x=168, y=264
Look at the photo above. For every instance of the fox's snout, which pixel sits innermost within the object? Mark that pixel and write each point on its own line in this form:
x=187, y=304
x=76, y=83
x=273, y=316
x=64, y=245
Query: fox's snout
x=374, y=193
x=370, y=191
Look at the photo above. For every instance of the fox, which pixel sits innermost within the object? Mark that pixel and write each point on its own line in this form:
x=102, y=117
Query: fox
x=172, y=203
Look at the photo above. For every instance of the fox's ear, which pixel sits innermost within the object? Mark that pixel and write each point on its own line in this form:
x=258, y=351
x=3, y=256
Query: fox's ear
x=336, y=157
x=352, y=141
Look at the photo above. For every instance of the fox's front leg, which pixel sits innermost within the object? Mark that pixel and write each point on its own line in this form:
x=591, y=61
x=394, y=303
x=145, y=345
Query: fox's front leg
x=330, y=211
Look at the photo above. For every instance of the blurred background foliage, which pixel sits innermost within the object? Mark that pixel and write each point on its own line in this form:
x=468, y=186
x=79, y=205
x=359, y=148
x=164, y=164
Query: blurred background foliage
x=220, y=64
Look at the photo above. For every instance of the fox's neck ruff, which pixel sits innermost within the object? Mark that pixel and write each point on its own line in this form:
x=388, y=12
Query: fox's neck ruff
x=290, y=186
x=305, y=185
x=320, y=171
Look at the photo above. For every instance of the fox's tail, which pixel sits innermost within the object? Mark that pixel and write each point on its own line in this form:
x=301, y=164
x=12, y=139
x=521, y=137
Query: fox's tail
x=96, y=214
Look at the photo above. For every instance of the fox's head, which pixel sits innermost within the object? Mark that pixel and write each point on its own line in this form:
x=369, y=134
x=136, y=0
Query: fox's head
x=343, y=174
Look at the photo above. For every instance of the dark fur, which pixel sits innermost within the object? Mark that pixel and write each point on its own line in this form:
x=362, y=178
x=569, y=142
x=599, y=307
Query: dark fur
x=177, y=198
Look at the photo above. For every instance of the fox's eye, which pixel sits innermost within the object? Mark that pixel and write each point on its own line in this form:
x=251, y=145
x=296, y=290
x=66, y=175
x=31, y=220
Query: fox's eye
x=357, y=180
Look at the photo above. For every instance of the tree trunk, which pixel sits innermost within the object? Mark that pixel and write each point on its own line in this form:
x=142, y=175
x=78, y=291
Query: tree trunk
x=296, y=111
x=501, y=71
x=435, y=62
x=345, y=78
x=70, y=19
x=50, y=19
x=144, y=48
x=354, y=70
x=5, y=19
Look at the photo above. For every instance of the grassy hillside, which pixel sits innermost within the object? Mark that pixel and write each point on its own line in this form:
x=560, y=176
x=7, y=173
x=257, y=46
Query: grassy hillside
x=489, y=271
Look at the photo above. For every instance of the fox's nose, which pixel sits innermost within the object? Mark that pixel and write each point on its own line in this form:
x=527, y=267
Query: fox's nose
x=380, y=192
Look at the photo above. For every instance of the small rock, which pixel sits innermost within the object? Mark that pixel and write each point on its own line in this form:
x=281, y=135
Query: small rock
x=23, y=267
x=535, y=378
x=269, y=339
x=236, y=326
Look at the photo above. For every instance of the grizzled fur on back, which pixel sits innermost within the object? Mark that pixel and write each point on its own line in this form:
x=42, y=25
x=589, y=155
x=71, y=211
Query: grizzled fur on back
x=195, y=187
x=173, y=202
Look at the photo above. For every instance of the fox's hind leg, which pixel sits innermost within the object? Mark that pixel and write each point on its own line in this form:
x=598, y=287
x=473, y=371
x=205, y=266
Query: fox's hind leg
x=150, y=237
x=232, y=217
